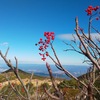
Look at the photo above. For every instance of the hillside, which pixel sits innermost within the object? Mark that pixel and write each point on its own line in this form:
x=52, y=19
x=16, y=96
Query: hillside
x=64, y=85
x=84, y=76
x=22, y=74
x=20, y=71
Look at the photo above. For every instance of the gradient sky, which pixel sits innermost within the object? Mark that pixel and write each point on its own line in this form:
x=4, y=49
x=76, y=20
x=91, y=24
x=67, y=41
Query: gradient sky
x=23, y=22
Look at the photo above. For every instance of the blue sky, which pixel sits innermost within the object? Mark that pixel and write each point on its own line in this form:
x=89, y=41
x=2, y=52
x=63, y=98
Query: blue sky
x=23, y=22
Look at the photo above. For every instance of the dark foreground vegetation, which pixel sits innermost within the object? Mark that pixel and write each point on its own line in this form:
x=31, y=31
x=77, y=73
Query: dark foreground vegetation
x=70, y=88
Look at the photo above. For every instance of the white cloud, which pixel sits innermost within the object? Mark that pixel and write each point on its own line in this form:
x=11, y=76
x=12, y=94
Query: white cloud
x=4, y=44
x=69, y=36
x=66, y=36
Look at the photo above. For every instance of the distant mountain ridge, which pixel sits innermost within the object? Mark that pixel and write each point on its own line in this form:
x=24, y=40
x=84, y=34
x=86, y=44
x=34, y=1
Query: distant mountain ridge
x=24, y=74
x=41, y=70
x=19, y=70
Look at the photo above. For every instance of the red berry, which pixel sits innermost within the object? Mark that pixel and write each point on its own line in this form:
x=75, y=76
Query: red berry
x=89, y=12
x=97, y=18
x=48, y=41
x=49, y=34
x=97, y=7
x=40, y=39
x=43, y=59
x=52, y=37
x=47, y=54
x=52, y=32
x=90, y=6
x=48, y=37
x=45, y=33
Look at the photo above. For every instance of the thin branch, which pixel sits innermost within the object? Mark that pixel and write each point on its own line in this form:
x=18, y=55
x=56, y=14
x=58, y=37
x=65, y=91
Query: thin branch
x=65, y=71
x=6, y=52
x=51, y=77
x=30, y=81
x=55, y=54
x=95, y=30
x=87, y=53
x=16, y=73
x=53, y=82
x=73, y=48
x=51, y=96
x=16, y=63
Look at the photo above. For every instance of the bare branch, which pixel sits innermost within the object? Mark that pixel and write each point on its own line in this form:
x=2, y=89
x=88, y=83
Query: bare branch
x=16, y=73
x=73, y=48
x=51, y=77
x=16, y=63
x=95, y=30
x=65, y=71
x=30, y=81
x=53, y=82
x=6, y=52
x=87, y=53
x=51, y=96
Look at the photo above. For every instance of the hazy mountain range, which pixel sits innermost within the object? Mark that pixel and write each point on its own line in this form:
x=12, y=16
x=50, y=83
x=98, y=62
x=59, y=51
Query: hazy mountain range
x=41, y=70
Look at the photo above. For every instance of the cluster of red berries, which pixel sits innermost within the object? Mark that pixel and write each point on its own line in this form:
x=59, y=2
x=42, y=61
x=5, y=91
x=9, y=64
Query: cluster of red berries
x=43, y=45
x=90, y=9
